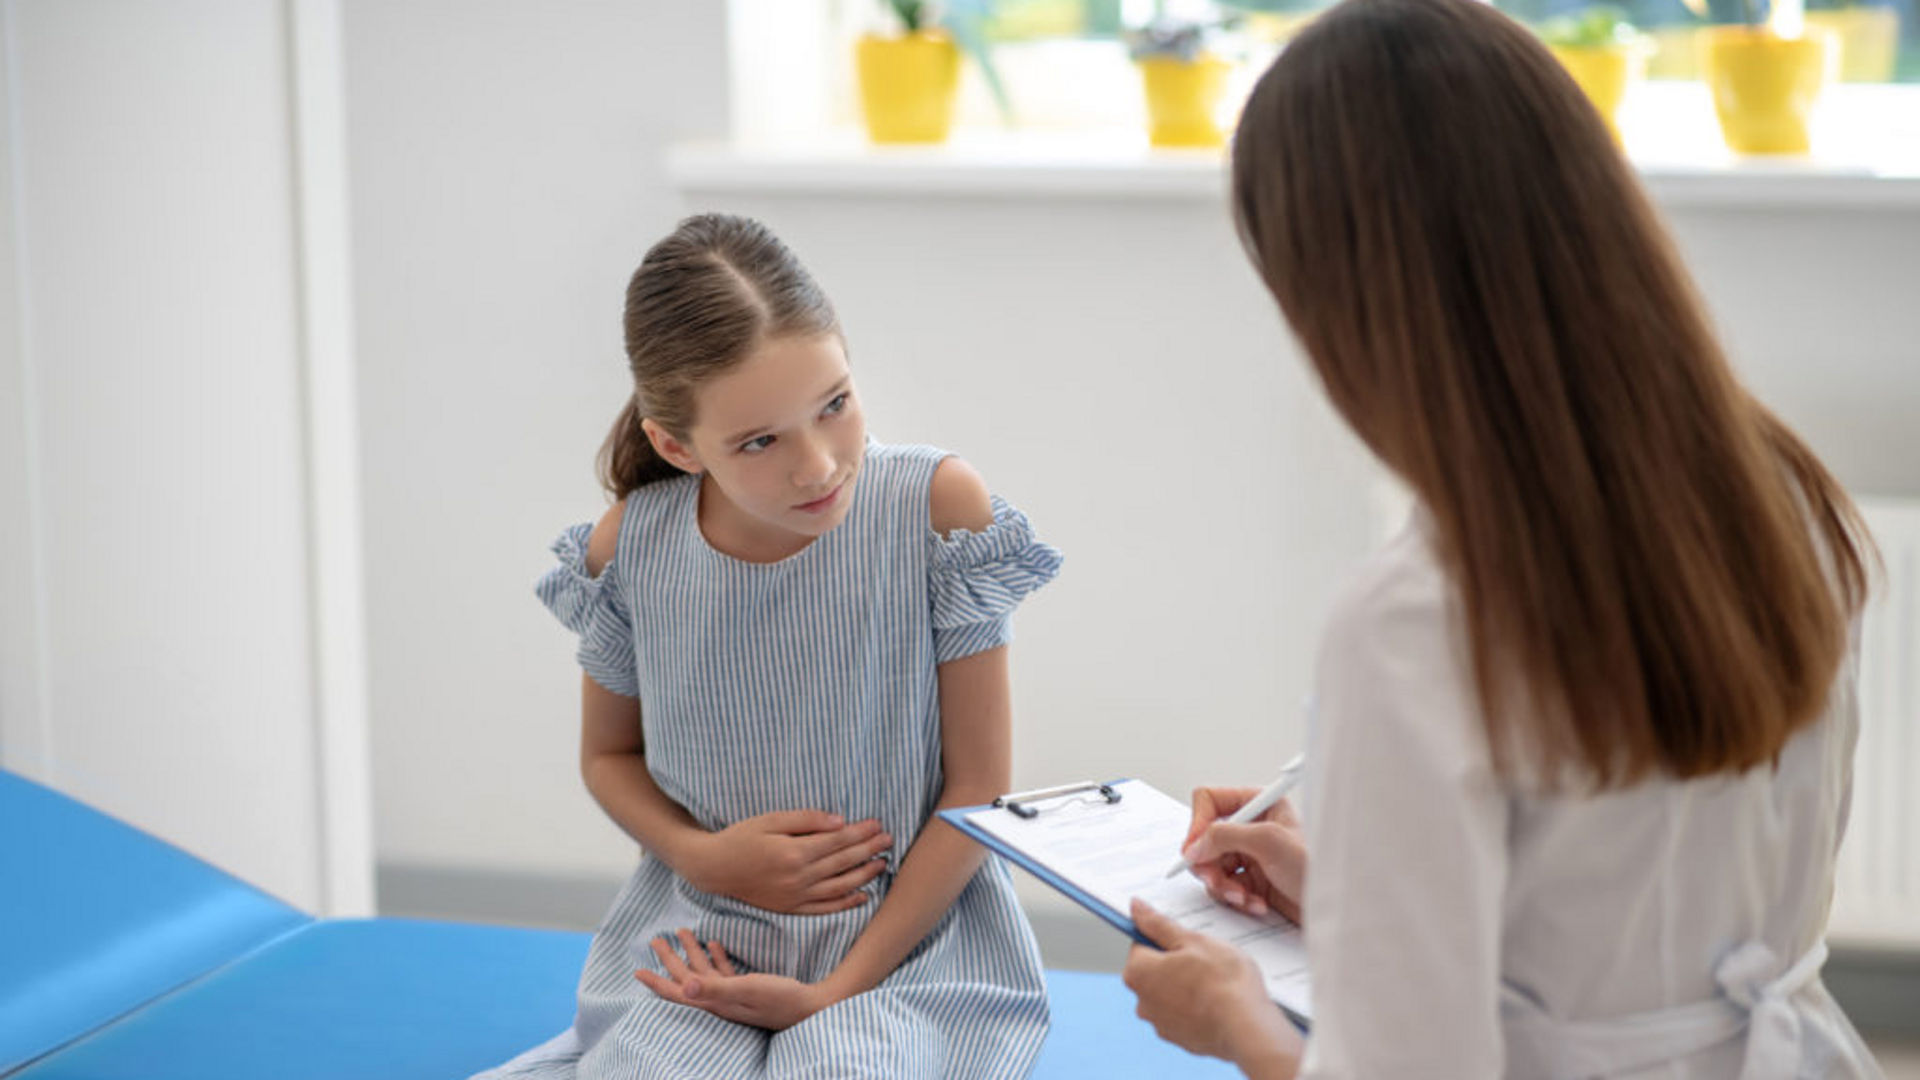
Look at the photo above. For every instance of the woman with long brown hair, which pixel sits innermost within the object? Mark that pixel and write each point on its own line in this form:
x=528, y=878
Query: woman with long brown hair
x=1583, y=740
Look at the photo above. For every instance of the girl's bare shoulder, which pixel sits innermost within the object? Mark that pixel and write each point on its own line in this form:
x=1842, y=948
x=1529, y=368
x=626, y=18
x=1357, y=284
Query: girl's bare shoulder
x=959, y=498
x=605, y=538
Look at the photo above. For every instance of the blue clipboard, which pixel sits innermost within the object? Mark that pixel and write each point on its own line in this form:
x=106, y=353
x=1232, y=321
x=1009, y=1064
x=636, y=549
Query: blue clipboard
x=1019, y=804
x=958, y=817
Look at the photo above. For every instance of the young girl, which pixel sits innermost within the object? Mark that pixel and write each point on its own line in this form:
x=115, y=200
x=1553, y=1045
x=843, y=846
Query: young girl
x=1583, y=735
x=795, y=650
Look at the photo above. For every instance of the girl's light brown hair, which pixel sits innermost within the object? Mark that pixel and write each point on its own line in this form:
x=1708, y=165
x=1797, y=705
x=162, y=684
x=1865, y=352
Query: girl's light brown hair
x=701, y=301
x=1654, y=573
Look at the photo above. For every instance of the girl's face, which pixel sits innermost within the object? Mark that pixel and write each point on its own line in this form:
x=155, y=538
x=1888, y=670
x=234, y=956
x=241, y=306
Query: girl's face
x=780, y=438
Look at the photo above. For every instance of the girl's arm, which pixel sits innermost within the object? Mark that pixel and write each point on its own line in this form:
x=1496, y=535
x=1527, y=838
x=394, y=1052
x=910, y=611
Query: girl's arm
x=976, y=756
x=976, y=752
x=805, y=862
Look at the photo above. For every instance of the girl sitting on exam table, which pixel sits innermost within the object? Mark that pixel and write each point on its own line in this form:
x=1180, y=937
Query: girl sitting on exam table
x=1583, y=738
x=793, y=643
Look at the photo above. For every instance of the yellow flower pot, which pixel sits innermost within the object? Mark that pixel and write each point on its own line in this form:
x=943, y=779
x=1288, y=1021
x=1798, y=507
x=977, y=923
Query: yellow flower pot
x=1603, y=72
x=1869, y=40
x=1764, y=85
x=1183, y=98
x=907, y=86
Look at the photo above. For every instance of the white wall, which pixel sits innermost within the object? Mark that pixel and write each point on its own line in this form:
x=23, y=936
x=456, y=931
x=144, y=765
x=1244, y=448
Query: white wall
x=1110, y=365
x=1042, y=341
x=1107, y=362
x=1819, y=312
x=506, y=171
x=506, y=177
x=159, y=655
x=23, y=719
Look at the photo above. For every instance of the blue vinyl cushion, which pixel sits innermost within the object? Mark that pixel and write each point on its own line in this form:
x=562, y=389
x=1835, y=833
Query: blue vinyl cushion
x=396, y=999
x=97, y=918
x=1096, y=1035
x=366, y=999
x=122, y=958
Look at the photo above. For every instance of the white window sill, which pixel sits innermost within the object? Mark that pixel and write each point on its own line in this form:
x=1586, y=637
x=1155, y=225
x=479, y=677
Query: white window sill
x=1867, y=155
x=971, y=163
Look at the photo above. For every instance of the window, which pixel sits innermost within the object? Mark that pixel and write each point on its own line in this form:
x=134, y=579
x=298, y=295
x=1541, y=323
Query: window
x=1060, y=69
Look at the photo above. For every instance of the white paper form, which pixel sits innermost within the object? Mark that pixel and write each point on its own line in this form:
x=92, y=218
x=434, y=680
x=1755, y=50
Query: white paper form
x=1117, y=851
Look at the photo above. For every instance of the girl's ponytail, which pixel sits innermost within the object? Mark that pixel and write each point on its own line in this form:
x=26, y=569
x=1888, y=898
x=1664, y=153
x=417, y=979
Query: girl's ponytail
x=627, y=458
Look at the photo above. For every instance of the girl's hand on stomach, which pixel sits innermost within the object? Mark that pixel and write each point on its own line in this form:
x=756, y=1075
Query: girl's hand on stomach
x=706, y=979
x=800, y=862
x=1256, y=867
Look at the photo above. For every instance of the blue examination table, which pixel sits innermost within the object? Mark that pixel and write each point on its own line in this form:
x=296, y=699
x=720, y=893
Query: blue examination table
x=123, y=958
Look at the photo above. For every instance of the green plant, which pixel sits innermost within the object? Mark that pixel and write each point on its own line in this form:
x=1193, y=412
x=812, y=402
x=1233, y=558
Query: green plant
x=1180, y=39
x=966, y=20
x=1747, y=12
x=911, y=13
x=1588, y=28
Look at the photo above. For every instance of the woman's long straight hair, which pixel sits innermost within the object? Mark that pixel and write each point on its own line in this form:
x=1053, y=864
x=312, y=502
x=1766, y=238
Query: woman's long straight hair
x=1655, y=574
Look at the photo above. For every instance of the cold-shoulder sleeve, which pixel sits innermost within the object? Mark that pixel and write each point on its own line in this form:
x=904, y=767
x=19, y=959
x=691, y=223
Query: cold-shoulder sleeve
x=977, y=578
x=596, y=609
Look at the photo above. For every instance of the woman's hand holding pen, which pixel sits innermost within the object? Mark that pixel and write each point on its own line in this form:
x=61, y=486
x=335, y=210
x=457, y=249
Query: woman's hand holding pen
x=801, y=862
x=1257, y=867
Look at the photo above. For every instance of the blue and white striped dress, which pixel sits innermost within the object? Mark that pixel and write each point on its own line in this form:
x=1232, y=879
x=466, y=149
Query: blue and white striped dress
x=805, y=683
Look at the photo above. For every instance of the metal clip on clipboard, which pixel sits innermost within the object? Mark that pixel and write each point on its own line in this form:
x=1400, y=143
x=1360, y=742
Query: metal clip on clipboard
x=1019, y=801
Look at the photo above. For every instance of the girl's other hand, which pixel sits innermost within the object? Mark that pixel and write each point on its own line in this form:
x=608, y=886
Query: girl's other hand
x=801, y=862
x=1257, y=867
x=706, y=979
x=1205, y=996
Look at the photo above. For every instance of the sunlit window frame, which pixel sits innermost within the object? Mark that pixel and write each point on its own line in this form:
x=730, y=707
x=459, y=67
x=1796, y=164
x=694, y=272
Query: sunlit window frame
x=792, y=85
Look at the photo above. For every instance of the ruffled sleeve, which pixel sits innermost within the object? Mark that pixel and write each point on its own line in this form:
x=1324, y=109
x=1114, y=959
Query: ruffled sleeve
x=977, y=578
x=596, y=609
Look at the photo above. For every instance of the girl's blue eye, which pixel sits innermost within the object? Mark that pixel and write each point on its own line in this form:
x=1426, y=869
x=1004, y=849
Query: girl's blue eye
x=838, y=404
x=754, y=446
